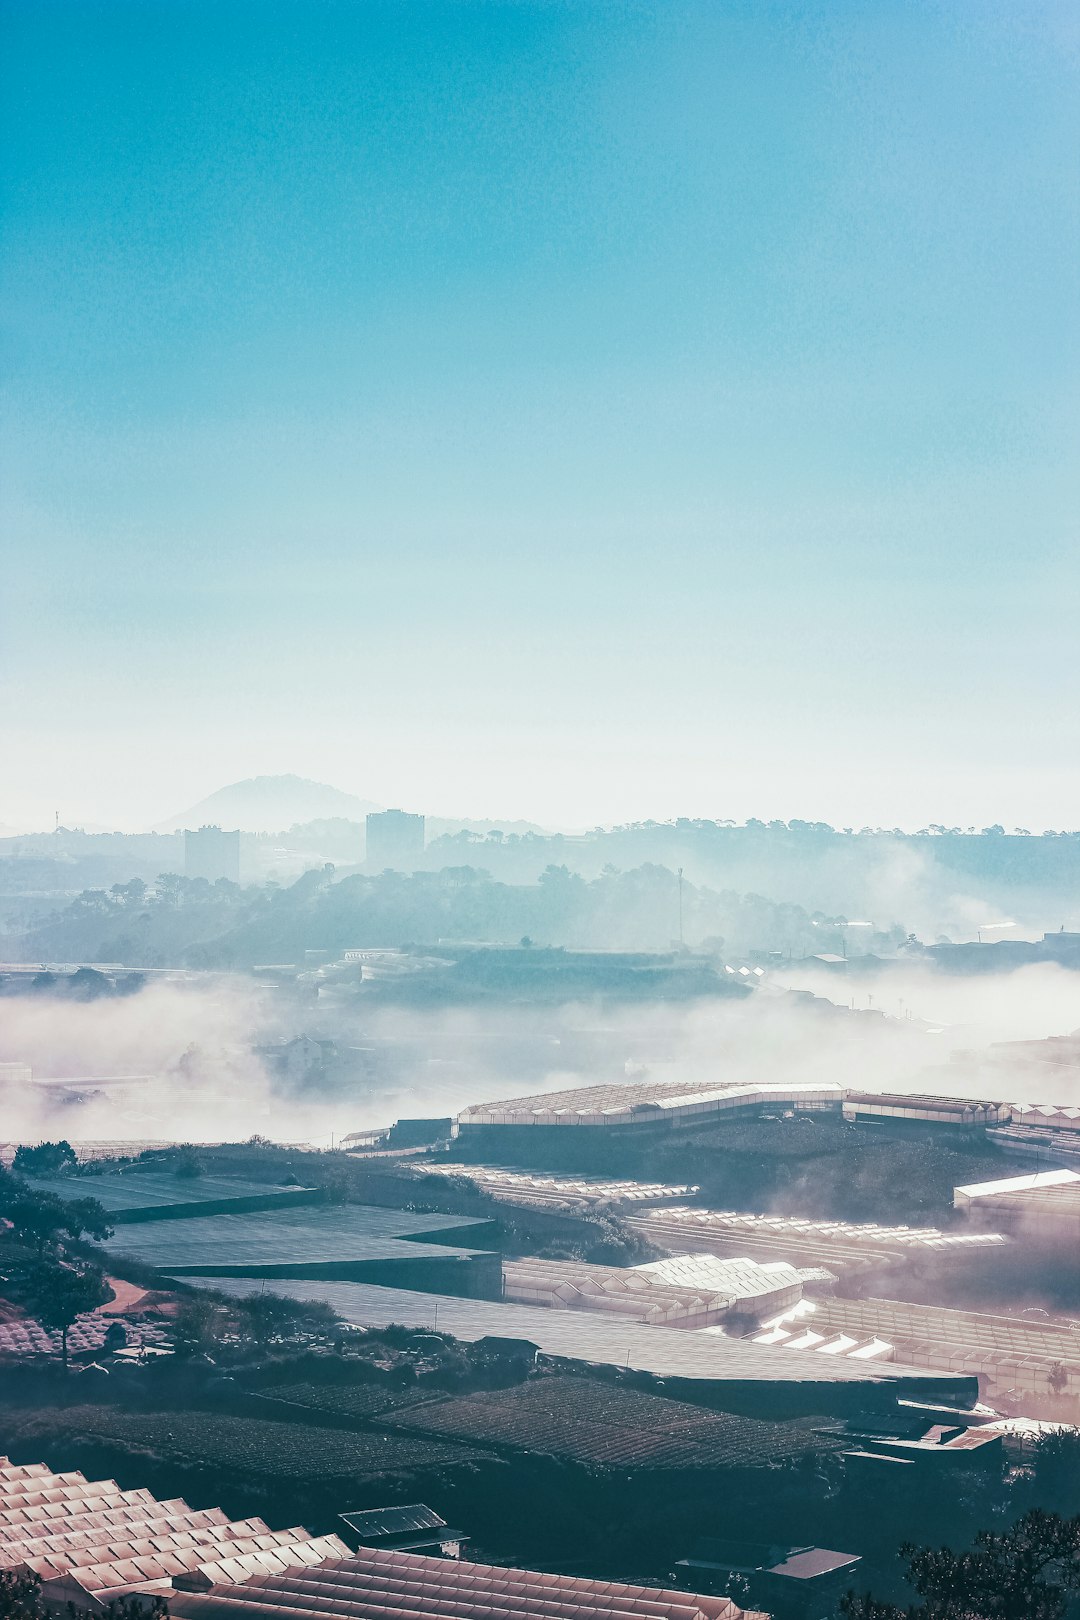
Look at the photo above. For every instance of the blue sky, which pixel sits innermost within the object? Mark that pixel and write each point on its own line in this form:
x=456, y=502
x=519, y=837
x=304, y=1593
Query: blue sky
x=571, y=410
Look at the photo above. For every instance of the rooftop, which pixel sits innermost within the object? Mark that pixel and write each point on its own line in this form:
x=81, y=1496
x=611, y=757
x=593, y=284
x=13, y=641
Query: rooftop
x=586, y=1336
x=1023, y=1186
x=646, y=1100
x=305, y=1236
x=831, y=1244
x=142, y=1193
x=383, y=1582
x=544, y=1187
x=88, y=1537
x=394, y=1521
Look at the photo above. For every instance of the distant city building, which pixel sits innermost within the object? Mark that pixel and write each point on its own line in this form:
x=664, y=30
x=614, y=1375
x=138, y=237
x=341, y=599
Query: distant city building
x=395, y=839
x=212, y=854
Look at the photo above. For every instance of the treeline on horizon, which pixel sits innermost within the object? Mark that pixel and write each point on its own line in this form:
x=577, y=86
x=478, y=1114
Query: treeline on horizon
x=194, y=923
x=940, y=882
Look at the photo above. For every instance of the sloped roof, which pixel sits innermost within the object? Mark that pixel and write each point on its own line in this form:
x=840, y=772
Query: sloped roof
x=380, y=1582
x=89, y=1536
x=394, y=1521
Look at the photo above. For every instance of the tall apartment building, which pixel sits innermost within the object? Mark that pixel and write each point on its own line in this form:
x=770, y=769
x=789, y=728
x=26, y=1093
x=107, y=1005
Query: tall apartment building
x=210, y=853
x=395, y=839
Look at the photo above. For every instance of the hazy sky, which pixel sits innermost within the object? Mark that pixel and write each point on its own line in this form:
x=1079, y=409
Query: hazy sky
x=576, y=410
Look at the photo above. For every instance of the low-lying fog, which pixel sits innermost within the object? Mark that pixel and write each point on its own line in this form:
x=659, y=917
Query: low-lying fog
x=196, y=1044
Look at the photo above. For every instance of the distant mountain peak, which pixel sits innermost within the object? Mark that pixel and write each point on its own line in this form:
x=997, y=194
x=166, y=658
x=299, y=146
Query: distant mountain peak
x=269, y=804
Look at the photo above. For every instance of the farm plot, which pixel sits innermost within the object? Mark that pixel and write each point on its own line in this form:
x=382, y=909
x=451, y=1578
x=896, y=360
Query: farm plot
x=347, y=1400
x=613, y=1427
x=256, y=1447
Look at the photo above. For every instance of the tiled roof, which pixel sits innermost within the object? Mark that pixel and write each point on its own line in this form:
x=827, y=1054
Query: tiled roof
x=90, y=1537
x=375, y=1584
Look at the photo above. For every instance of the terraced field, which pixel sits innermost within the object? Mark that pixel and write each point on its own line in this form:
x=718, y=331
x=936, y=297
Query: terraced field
x=609, y=1426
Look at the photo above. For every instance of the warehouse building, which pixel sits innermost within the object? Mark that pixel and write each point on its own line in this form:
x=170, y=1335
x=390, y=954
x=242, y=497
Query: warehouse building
x=647, y=1105
x=898, y=1111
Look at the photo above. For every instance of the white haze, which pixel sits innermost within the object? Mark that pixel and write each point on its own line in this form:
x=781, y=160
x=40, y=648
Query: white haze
x=445, y=1060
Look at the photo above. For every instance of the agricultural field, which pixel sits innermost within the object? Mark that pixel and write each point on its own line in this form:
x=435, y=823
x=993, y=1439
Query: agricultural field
x=352, y=1401
x=259, y=1447
x=589, y=1421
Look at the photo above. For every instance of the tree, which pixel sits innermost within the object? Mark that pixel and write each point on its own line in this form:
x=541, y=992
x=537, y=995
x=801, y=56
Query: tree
x=85, y=1217
x=1056, y=1470
x=40, y=1217
x=188, y=1163
x=1025, y=1573
x=201, y=1321
x=37, y=1217
x=47, y=1159
x=21, y=1599
x=63, y=1293
x=20, y=1595
x=269, y=1316
x=1058, y=1378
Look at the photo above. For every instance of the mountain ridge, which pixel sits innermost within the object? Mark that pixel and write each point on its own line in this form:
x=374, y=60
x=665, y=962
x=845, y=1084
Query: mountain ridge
x=267, y=804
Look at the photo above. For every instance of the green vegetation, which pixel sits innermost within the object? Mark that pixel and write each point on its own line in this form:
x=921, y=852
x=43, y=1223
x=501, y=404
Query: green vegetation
x=44, y=1221
x=46, y=1159
x=221, y=925
x=261, y=1448
x=59, y=1294
x=44, y=1270
x=614, y=887
x=1055, y=1471
x=815, y=1167
x=1027, y=1572
x=21, y=1599
x=209, y=1322
x=350, y=1402
x=605, y=1424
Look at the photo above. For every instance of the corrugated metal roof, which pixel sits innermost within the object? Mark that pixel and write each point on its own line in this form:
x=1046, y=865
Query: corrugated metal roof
x=380, y=1581
x=810, y=1562
x=1022, y=1186
x=578, y=1335
x=148, y=1190
x=394, y=1521
x=317, y=1235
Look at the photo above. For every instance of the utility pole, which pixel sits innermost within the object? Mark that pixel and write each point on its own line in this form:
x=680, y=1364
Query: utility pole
x=680, y=911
